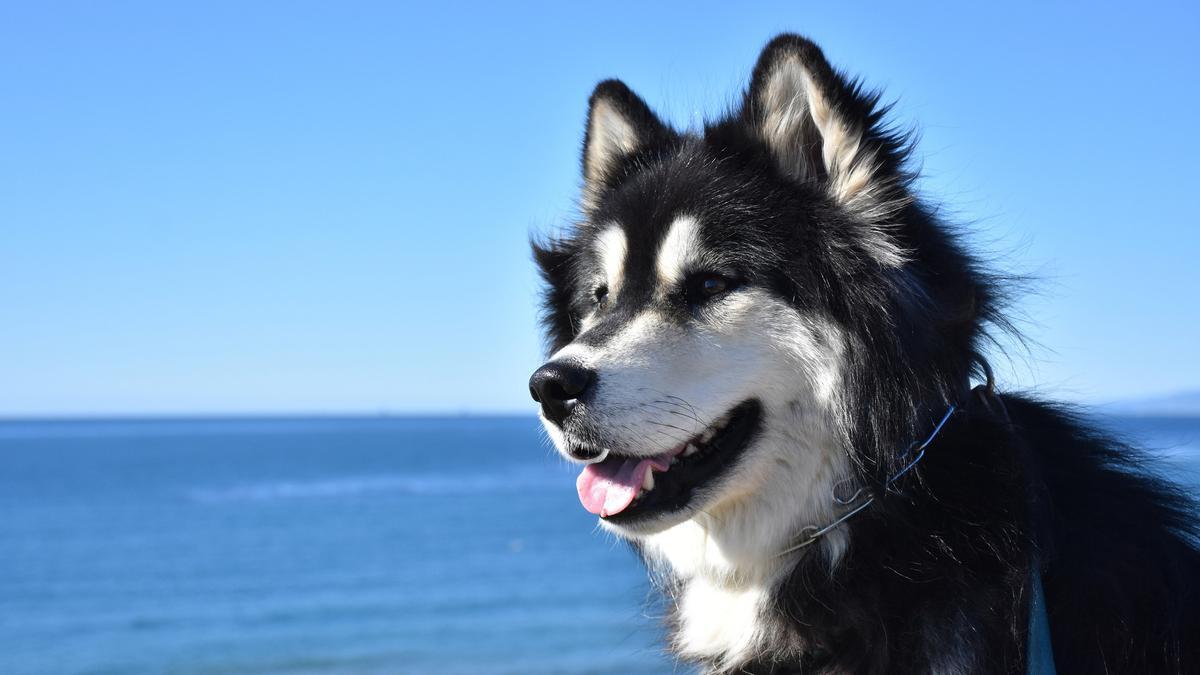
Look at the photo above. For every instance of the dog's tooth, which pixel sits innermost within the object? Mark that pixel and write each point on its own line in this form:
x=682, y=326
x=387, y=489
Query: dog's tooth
x=690, y=450
x=648, y=481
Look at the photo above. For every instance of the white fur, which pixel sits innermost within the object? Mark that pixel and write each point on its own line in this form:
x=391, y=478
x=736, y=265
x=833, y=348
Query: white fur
x=726, y=557
x=733, y=638
x=611, y=248
x=723, y=553
x=678, y=252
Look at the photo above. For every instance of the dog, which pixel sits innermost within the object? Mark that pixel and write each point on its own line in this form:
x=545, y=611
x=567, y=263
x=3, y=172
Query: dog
x=763, y=349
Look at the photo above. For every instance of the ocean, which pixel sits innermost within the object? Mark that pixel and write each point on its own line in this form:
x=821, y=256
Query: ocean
x=327, y=545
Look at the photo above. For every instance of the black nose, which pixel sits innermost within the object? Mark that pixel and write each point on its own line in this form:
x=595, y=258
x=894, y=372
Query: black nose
x=558, y=386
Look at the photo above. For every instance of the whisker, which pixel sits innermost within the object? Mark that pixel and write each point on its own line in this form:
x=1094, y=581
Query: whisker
x=673, y=412
x=686, y=433
x=682, y=402
x=685, y=402
x=683, y=413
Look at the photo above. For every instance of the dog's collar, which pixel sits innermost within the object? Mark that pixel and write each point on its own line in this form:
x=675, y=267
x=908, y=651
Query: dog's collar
x=858, y=502
x=1039, y=656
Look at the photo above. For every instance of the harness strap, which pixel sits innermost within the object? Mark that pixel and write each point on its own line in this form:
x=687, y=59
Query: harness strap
x=1039, y=653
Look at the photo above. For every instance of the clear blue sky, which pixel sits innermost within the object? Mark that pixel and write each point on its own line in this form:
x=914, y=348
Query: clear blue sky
x=247, y=207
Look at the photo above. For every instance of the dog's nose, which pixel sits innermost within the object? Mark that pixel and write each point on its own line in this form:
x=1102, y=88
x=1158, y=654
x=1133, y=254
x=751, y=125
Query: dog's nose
x=558, y=386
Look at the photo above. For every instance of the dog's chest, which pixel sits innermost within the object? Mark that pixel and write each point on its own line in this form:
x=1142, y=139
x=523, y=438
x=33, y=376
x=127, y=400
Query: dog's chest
x=716, y=623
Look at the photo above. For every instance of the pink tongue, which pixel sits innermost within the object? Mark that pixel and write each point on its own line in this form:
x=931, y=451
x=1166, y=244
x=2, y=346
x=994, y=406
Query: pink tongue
x=607, y=488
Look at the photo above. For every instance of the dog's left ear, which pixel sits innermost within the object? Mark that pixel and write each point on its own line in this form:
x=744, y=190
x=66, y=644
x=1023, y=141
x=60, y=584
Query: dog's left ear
x=620, y=125
x=820, y=128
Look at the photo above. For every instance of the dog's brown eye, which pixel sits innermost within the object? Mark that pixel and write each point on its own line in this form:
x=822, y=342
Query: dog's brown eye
x=600, y=295
x=703, y=287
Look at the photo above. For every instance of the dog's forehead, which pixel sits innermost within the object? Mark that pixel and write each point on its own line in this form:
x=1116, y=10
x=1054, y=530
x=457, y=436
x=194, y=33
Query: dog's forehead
x=661, y=224
x=628, y=258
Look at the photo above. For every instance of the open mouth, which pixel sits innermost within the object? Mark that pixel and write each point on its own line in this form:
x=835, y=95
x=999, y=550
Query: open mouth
x=623, y=489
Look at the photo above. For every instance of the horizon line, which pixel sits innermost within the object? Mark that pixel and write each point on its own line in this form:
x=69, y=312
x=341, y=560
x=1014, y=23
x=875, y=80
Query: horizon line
x=282, y=415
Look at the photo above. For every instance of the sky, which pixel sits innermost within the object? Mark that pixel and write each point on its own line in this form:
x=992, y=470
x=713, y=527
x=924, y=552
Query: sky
x=325, y=207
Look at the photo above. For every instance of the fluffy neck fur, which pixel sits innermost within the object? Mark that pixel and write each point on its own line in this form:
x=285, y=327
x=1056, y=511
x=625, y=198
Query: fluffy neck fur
x=721, y=566
x=935, y=576
x=739, y=606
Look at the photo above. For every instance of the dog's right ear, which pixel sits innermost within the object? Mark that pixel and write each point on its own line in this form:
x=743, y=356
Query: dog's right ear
x=620, y=125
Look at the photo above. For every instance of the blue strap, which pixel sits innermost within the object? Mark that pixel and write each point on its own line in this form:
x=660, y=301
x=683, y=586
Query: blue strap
x=1040, y=656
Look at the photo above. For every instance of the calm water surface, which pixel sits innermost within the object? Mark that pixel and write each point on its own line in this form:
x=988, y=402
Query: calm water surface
x=384, y=545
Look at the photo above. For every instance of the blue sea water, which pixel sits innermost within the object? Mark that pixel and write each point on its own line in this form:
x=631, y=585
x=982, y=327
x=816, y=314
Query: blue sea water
x=371, y=545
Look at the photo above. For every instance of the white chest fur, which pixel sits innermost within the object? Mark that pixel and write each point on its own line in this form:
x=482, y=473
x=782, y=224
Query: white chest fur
x=719, y=623
x=719, y=608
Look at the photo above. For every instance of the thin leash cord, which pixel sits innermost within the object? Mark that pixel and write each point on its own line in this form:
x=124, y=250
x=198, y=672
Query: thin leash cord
x=811, y=533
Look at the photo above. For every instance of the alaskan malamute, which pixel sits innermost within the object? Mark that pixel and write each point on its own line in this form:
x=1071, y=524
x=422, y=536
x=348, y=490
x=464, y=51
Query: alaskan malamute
x=763, y=349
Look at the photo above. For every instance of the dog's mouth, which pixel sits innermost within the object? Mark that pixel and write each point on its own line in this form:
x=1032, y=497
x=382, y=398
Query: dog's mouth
x=624, y=489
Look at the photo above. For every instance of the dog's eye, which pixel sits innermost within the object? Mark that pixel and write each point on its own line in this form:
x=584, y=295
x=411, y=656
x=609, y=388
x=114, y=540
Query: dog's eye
x=600, y=295
x=705, y=286
x=713, y=285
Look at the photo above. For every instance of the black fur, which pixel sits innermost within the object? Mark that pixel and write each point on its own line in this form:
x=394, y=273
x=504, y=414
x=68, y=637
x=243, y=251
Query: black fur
x=937, y=573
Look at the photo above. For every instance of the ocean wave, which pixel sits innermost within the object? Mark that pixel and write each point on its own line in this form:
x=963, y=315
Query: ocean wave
x=429, y=484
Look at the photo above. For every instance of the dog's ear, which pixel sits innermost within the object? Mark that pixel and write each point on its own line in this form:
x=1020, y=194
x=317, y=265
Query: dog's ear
x=620, y=125
x=820, y=128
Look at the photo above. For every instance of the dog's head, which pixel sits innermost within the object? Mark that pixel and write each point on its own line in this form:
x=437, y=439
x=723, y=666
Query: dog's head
x=749, y=314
